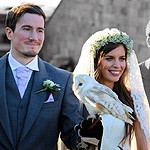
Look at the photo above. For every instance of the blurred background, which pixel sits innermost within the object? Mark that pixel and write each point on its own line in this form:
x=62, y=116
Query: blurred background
x=71, y=22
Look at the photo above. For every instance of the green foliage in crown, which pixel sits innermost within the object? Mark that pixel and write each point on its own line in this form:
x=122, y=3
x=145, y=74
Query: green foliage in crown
x=102, y=38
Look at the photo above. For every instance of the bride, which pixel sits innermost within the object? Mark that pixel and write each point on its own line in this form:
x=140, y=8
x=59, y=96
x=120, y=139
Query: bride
x=108, y=56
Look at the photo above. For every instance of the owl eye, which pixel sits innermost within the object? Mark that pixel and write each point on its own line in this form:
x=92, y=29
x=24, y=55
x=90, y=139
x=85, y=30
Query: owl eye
x=80, y=84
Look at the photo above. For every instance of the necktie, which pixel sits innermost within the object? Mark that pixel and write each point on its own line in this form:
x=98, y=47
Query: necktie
x=22, y=78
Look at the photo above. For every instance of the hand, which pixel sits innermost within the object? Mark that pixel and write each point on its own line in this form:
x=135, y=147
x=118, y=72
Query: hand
x=90, y=131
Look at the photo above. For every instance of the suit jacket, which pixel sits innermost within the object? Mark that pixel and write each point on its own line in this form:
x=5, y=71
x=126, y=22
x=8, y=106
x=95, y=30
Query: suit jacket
x=145, y=71
x=44, y=121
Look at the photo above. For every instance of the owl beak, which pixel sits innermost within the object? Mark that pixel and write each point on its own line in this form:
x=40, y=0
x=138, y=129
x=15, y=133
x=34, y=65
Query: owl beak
x=74, y=87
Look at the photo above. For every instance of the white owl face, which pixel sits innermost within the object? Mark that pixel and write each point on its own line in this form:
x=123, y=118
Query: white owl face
x=78, y=83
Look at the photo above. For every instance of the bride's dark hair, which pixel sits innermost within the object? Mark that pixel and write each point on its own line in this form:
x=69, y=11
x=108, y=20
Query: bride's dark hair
x=119, y=86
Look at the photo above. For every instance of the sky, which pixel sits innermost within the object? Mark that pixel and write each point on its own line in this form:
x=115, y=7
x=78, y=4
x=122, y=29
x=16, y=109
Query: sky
x=53, y=3
x=47, y=5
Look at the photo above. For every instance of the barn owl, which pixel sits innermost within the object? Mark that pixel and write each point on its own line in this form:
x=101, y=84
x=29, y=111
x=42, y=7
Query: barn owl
x=99, y=99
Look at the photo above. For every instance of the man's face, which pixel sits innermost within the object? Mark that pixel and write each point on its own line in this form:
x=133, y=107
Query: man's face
x=148, y=40
x=28, y=36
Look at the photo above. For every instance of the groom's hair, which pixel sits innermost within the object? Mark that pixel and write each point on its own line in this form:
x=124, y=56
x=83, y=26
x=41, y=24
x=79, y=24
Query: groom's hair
x=17, y=12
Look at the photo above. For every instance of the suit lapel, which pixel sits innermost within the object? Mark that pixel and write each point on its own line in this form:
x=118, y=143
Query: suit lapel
x=36, y=100
x=4, y=117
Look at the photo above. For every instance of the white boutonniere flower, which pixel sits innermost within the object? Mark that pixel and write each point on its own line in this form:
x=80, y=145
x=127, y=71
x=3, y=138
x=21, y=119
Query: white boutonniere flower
x=50, y=86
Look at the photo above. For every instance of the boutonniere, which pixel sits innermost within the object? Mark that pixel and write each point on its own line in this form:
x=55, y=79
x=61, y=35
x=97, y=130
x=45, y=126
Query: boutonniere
x=50, y=86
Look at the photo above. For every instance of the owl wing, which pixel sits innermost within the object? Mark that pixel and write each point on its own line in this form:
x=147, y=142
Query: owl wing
x=100, y=99
x=106, y=104
x=107, y=93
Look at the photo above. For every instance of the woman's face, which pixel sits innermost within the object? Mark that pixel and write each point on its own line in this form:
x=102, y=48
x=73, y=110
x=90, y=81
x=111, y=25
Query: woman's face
x=112, y=66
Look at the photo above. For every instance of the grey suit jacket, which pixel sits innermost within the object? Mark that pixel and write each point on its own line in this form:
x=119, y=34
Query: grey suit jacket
x=44, y=121
x=145, y=71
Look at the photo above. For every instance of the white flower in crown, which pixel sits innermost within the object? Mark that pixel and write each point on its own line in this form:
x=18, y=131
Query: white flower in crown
x=50, y=86
x=113, y=35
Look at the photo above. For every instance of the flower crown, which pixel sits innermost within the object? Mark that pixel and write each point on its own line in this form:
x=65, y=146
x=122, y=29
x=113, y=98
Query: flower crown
x=113, y=35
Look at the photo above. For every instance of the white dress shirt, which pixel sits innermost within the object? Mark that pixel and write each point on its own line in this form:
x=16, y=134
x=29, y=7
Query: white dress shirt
x=32, y=66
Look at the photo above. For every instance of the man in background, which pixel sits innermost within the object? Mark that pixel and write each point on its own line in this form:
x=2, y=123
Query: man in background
x=145, y=65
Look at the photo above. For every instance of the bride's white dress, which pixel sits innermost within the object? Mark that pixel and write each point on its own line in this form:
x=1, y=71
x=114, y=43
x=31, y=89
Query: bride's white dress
x=113, y=133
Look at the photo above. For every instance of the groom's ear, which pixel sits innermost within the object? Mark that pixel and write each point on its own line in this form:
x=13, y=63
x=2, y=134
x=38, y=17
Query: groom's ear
x=9, y=33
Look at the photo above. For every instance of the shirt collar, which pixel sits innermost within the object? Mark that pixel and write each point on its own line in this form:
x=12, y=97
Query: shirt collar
x=33, y=65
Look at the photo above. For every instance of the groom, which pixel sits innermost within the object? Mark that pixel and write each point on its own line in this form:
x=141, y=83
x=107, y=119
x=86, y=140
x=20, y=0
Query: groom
x=31, y=120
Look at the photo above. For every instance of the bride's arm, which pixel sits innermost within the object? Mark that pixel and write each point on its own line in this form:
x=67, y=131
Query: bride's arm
x=140, y=137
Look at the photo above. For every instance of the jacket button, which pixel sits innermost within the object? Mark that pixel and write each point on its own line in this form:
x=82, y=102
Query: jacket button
x=21, y=107
x=20, y=124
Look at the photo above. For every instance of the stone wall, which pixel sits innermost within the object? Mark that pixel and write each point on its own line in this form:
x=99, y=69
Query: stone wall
x=75, y=20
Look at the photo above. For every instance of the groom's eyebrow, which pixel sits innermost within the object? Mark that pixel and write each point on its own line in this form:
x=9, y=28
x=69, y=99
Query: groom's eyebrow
x=28, y=26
